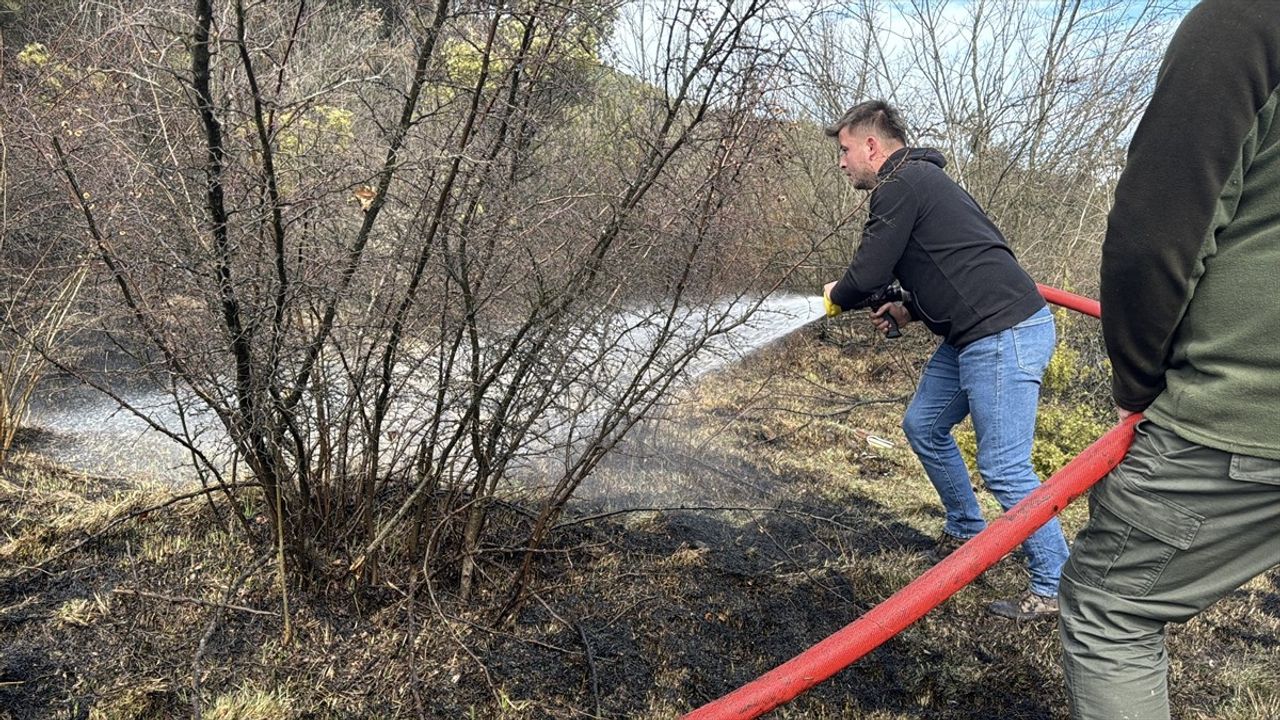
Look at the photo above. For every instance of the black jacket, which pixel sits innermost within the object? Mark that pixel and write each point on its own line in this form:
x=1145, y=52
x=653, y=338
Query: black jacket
x=931, y=235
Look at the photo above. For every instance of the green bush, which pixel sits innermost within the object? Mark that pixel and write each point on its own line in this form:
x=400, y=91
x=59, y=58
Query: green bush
x=1062, y=431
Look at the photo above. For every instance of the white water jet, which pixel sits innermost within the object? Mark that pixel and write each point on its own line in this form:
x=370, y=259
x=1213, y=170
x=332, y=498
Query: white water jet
x=92, y=433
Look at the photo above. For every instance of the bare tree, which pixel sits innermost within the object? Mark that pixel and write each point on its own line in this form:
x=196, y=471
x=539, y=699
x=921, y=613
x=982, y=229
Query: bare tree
x=1030, y=102
x=39, y=282
x=416, y=262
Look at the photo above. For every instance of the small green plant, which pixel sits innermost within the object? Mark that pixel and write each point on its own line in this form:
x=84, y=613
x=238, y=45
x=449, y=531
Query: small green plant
x=34, y=54
x=1062, y=432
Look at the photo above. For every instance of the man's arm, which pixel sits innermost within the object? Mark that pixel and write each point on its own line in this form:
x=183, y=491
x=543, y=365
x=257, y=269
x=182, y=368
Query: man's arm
x=884, y=238
x=1218, y=72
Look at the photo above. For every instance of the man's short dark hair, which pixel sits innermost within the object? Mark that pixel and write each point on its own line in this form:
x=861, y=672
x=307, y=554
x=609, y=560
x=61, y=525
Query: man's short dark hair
x=877, y=115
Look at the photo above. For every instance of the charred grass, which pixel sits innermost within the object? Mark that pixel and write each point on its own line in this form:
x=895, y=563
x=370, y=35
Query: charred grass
x=773, y=506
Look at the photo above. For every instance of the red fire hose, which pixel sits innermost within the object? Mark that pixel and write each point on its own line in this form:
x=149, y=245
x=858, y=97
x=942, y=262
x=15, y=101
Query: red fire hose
x=1079, y=303
x=855, y=640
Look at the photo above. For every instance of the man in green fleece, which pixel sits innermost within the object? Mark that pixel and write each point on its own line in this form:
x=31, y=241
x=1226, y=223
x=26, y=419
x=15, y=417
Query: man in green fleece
x=1190, y=274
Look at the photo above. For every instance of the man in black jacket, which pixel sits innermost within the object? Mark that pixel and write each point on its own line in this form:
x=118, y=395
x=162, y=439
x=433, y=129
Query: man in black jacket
x=997, y=334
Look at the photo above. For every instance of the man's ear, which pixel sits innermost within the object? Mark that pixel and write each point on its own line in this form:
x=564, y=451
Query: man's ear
x=875, y=149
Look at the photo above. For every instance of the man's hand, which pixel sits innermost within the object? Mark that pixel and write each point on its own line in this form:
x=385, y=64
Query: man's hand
x=880, y=318
x=1124, y=414
x=831, y=308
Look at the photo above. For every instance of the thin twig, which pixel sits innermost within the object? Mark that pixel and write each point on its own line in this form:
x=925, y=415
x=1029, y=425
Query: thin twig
x=193, y=601
x=791, y=558
x=136, y=513
x=591, y=666
x=414, y=679
x=687, y=508
x=510, y=636
x=213, y=625
x=448, y=625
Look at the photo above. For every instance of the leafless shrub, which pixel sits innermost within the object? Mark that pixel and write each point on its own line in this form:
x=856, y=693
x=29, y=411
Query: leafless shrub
x=414, y=262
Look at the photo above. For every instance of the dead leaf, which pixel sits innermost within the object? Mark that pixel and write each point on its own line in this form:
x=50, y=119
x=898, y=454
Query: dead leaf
x=366, y=195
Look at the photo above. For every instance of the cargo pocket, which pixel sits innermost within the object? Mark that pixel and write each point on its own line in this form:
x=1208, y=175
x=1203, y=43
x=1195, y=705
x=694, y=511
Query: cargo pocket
x=1247, y=468
x=1131, y=536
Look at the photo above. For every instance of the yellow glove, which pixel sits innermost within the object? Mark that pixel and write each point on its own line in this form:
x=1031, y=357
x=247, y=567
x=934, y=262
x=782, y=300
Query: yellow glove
x=832, y=308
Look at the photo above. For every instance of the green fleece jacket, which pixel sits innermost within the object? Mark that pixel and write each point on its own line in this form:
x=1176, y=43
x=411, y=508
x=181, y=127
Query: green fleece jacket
x=1191, y=260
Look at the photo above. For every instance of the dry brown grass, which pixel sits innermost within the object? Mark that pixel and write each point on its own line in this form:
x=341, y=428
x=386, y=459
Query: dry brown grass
x=250, y=703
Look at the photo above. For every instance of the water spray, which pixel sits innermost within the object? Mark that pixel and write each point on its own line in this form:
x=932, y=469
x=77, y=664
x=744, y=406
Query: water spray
x=854, y=641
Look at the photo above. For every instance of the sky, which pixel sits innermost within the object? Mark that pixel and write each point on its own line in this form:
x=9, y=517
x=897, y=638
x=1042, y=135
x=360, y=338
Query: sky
x=920, y=54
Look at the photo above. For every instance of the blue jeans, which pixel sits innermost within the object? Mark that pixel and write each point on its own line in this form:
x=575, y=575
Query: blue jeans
x=996, y=379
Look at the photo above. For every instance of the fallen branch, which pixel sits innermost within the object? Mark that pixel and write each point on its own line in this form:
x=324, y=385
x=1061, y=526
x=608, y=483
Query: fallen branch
x=193, y=601
x=591, y=666
x=838, y=413
x=136, y=513
x=213, y=625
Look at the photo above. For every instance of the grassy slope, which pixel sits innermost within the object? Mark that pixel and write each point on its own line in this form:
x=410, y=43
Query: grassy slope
x=641, y=613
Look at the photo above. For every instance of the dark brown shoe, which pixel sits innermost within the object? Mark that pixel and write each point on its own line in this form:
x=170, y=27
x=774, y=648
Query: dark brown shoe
x=1027, y=606
x=946, y=544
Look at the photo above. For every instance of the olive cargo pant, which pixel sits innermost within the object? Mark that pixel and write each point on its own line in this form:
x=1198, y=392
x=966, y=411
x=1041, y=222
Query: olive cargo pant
x=1171, y=530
